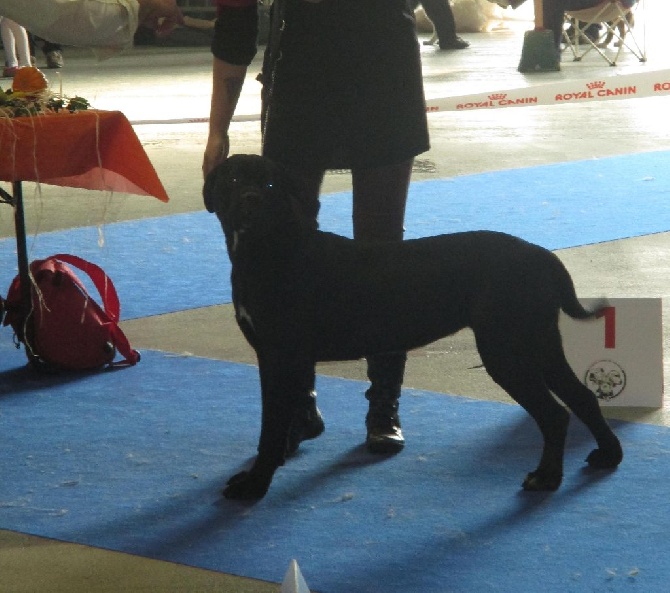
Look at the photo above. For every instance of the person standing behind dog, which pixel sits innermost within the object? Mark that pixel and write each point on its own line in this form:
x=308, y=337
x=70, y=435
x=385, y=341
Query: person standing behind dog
x=342, y=88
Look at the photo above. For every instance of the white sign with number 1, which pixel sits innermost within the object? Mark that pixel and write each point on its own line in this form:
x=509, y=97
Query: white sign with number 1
x=619, y=356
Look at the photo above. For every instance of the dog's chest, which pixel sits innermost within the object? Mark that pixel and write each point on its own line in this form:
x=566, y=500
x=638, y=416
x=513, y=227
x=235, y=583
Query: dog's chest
x=243, y=317
x=269, y=297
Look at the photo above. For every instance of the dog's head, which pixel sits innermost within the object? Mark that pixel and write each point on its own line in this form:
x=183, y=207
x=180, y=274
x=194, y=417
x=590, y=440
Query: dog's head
x=252, y=197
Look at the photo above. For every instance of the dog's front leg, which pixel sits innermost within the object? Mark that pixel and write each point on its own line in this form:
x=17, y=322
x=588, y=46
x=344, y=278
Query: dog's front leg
x=282, y=384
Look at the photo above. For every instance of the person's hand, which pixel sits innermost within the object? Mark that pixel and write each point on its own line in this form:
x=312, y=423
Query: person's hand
x=160, y=15
x=216, y=151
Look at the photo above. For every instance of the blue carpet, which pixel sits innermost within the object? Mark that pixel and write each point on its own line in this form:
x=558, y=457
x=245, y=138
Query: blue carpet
x=133, y=460
x=179, y=262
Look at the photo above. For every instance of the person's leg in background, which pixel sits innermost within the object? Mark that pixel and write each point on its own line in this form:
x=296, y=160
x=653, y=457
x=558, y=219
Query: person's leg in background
x=508, y=3
x=380, y=197
x=17, y=48
x=592, y=32
x=554, y=15
x=442, y=17
x=53, y=52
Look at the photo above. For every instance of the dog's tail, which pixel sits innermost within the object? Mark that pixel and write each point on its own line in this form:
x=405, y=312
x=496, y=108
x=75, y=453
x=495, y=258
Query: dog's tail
x=570, y=304
x=576, y=310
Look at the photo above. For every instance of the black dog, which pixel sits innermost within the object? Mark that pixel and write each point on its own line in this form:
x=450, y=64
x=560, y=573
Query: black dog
x=302, y=296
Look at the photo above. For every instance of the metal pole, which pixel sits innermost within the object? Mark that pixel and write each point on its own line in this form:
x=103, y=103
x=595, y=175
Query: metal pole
x=21, y=249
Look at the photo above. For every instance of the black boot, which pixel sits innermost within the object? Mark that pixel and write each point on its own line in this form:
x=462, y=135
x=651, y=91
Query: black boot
x=307, y=423
x=454, y=42
x=385, y=372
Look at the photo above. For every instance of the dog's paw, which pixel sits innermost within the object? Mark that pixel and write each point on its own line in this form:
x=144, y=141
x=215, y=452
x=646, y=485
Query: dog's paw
x=247, y=486
x=605, y=458
x=540, y=481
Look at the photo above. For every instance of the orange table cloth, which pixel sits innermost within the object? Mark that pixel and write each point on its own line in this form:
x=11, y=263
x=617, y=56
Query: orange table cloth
x=89, y=149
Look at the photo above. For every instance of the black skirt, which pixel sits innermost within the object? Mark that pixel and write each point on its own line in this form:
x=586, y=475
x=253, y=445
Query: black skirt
x=344, y=86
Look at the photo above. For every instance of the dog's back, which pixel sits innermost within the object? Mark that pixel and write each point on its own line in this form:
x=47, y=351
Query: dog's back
x=420, y=290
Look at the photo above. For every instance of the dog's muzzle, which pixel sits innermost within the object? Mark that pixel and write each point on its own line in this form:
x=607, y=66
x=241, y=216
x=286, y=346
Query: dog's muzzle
x=245, y=209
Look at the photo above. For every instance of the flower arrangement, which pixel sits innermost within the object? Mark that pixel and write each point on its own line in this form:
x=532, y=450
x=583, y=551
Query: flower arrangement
x=29, y=95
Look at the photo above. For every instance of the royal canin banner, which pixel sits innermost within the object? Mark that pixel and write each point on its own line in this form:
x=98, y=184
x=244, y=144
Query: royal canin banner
x=624, y=86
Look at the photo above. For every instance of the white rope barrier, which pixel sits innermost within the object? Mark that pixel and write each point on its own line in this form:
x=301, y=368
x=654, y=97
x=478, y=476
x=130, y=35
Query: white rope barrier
x=624, y=86
x=191, y=120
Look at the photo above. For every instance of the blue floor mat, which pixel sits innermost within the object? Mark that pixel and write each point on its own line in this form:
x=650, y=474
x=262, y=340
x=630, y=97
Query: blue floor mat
x=134, y=460
x=179, y=262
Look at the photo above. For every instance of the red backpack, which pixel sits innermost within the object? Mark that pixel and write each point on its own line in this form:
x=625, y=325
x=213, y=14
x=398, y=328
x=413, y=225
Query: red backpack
x=64, y=328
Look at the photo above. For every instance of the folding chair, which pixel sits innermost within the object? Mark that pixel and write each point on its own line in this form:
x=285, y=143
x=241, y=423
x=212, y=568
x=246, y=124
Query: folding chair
x=615, y=16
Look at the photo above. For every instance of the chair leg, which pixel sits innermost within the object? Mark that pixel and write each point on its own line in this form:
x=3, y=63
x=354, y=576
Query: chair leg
x=580, y=34
x=632, y=46
x=613, y=16
x=571, y=42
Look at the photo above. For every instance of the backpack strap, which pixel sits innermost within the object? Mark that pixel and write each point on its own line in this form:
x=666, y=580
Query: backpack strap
x=110, y=303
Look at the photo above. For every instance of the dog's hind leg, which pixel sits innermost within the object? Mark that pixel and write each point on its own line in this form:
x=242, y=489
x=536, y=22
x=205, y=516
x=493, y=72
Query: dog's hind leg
x=518, y=374
x=562, y=380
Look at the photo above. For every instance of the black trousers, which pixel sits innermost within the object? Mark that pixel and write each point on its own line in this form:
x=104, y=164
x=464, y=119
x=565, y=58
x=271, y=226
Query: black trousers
x=439, y=12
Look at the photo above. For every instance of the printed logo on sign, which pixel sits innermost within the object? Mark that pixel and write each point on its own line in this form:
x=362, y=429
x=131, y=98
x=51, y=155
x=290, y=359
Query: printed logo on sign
x=498, y=100
x=606, y=379
x=595, y=89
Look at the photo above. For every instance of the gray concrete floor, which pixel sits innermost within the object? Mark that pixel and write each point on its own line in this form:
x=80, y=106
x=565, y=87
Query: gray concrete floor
x=149, y=83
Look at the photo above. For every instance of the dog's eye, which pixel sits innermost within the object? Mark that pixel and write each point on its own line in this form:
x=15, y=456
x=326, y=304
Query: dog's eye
x=269, y=185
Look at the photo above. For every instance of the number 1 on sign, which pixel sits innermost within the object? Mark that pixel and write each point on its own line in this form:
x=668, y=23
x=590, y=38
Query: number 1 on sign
x=609, y=313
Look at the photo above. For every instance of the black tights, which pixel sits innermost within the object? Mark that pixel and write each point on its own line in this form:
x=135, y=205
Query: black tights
x=380, y=196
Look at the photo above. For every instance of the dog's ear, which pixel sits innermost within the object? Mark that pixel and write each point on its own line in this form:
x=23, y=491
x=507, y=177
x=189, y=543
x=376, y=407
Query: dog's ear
x=286, y=186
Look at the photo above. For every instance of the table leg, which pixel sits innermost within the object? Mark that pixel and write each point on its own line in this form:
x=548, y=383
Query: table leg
x=21, y=248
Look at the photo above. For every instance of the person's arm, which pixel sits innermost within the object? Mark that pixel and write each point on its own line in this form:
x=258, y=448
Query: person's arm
x=160, y=15
x=234, y=46
x=227, y=81
x=92, y=23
